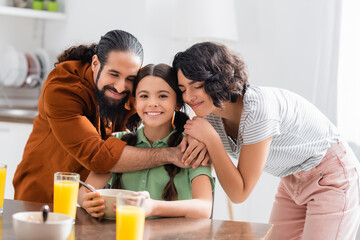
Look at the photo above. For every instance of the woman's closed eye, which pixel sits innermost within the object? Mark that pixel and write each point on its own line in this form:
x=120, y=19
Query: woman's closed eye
x=199, y=86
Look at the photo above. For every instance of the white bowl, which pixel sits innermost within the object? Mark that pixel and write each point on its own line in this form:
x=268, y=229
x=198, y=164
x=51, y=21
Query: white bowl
x=109, y=195
x=29, y=225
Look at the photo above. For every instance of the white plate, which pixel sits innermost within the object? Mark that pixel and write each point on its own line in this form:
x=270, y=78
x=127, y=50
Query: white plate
x=23, y=70
x=44, y=58
x=9, y=65
x=33, y=65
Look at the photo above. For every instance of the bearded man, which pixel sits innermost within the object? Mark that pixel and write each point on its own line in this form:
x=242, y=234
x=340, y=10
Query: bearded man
x=83, y=101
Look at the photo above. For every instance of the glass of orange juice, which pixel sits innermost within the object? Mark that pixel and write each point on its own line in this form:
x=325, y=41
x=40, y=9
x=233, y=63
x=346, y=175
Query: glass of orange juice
x=66, y=188
x=3, y=168
x=130, y=216
x=72, y=234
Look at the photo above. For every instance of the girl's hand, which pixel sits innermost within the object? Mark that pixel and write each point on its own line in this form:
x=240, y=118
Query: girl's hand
x=146, y=194
x=200, y=129
x=93, y=207
x=148, y=202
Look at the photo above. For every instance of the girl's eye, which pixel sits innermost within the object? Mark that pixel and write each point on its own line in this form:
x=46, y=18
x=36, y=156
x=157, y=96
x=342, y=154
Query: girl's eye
x=130, y=79
x=163, y=96
x=114, y=74
x=143, y=96
x=198, y=87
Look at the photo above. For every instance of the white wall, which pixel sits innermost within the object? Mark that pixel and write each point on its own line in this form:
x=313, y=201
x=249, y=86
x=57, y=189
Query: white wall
x=24, y=37
x=13, y=137
x=281, y=41
x=349, y=75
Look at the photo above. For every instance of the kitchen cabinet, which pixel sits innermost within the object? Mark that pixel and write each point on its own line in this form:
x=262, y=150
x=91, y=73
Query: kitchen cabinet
x=33, y=20
x=13, y=137
x=23, y=29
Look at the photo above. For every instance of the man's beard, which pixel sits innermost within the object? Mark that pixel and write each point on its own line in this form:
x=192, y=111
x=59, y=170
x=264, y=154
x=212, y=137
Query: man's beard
x=109, y=110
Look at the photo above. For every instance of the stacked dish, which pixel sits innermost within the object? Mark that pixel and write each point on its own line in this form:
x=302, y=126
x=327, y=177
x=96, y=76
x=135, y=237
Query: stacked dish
x=13, y=66
x=44, y=61
x=34, y=70
x=18, y=69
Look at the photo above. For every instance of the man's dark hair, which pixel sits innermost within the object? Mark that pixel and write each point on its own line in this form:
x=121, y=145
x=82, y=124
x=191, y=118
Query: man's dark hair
x=115, y=40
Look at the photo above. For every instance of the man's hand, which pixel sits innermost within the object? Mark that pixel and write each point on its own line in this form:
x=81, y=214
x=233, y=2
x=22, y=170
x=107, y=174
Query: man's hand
x=173, y=155
x=195, y=152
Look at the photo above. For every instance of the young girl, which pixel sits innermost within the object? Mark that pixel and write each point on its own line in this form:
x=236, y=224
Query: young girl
x=276, y=131
x=174, y=192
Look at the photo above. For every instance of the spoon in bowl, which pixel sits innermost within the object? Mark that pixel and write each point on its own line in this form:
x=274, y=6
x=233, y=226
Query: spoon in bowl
x=88, y=186
x=45, y=211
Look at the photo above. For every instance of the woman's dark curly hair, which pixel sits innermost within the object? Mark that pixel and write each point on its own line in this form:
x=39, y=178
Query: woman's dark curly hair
x=168, y=74
x=115, y=40
x=224, y=73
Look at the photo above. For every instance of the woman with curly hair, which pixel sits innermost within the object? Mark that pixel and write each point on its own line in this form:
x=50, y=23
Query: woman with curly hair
x=274, y=130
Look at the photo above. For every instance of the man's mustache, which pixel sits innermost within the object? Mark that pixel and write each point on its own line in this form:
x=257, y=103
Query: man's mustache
x=127, y=92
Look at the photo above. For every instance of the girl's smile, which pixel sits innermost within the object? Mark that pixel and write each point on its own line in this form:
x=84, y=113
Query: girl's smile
x=155, y=103
x=153, y=114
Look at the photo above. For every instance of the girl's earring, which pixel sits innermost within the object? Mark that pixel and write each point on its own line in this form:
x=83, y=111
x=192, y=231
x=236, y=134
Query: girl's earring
x=173, y=120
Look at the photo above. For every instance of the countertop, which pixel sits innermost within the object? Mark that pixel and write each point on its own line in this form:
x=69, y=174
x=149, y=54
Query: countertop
x=19, y=104
x=18, y=115
x=89, y=228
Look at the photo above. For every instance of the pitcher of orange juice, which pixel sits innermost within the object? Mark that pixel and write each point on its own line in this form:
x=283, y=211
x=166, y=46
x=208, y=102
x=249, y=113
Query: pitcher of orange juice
x=66, y=188
x=130, y=216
